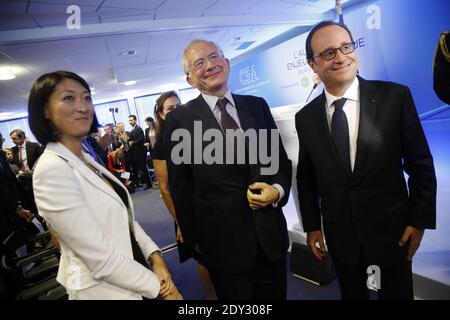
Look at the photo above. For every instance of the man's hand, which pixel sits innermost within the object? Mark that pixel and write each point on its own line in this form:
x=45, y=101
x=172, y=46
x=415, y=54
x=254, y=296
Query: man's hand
x=123, y=137
x=266, y=195
x=414, y=236
x=312, y=238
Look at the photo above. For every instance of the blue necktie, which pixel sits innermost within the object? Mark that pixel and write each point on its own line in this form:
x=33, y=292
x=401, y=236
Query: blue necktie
x=339, y=131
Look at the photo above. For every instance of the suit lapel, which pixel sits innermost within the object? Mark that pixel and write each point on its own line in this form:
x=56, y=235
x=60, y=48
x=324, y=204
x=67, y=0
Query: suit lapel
x=243, y=110
x=83, y=170
x=93, y=179
x=29, y=152
x=325, y=134
x=203, y=113
x=108, y=190
x=368, y=106
x=247, y=121
x=15, y=150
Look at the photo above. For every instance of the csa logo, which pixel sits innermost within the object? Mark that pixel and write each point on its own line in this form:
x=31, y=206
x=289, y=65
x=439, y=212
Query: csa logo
x=248, y=75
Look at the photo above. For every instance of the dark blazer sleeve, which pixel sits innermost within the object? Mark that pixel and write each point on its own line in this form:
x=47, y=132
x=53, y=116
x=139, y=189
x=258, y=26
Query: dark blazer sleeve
x=308, y=193
x=137, y=137
x=180, y=177
x=15, y=152
x=441, y=69
x=8, y=189
x=284, y=175
x=34, y=153
x=418, y=164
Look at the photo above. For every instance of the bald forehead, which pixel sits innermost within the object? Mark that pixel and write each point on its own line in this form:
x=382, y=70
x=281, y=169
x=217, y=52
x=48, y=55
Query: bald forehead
x=200, y=46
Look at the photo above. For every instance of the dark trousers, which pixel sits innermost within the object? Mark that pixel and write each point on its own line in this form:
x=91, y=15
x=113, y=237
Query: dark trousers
x=266, y=280
x=139, y=172
x=396, y=280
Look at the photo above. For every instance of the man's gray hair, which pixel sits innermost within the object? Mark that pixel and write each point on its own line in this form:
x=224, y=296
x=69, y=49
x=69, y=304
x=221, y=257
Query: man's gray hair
x=193, y=43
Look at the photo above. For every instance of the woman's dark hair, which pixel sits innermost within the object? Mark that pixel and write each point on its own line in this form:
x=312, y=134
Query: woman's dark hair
x=159, y=109
x=40, y=94
x=323, y=24
x=151, y=120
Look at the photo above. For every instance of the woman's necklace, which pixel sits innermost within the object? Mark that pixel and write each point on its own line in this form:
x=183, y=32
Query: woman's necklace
x=90, y=166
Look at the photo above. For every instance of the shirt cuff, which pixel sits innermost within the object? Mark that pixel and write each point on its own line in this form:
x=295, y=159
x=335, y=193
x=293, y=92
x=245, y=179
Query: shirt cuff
x=280, y=191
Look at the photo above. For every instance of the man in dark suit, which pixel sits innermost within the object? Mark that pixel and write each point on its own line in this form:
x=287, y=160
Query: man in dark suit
x=231, y=213
x=138, y=153
x=108, y=135
x=25, y=153
x=356, y=141
x=15, y=222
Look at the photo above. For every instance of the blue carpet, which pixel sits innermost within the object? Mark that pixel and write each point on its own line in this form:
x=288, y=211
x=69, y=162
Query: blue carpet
x=152, y=215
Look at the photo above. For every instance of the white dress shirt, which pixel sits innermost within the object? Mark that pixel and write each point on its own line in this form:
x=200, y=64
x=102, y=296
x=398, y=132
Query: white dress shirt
x=231, y=107
x=23, y=156
x=351, y=109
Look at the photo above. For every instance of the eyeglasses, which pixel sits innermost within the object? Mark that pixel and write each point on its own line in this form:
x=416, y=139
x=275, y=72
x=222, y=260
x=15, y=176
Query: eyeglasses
x=201, y=63
x=330, y=54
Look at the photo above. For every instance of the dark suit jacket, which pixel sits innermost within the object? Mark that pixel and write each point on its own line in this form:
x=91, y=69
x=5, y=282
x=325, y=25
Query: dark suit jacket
x=33, y=151
x=137, y=138
x=210, y=200
x=369, y=209
x=9, y=198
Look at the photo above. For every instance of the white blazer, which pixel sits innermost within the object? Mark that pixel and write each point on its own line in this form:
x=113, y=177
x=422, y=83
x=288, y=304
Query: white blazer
x=92, y=223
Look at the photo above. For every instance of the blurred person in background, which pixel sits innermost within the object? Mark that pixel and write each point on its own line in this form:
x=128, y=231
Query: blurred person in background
x=167, y=102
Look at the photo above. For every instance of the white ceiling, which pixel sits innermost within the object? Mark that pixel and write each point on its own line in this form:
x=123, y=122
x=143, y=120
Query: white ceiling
x=34, y=39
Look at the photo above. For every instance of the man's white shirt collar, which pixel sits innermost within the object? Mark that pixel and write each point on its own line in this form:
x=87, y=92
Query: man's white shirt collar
x=352, y=93
x=212, y=100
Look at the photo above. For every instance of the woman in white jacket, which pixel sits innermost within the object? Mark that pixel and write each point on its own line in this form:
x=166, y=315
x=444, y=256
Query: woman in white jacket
x=104, y=251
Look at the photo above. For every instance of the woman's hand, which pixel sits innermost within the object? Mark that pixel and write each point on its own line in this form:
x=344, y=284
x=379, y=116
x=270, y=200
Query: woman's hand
x=161, y=271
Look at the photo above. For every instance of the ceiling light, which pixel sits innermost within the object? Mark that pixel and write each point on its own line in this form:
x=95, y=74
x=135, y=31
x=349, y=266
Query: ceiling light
x=129, y=83
x=211, y=31
x=7, y=73
x=12, y=115
x=7, y=76
x=168, y=86
x=128, y=53
x=235, y=39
